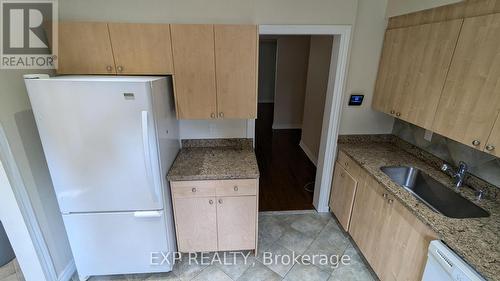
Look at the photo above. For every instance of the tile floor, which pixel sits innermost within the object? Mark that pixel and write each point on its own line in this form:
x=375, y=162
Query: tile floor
x=11, y=272
x=305, y=233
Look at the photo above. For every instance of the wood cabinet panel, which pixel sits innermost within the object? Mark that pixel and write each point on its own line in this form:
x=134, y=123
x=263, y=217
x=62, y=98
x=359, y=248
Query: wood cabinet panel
x=196, y=224
x=236, y=222
x=182, y=189
x=430, y=51
x=141, y=48
x=367, y=222
x=493, y=145
x=84, y=48
x=392, y=239
x=224, y=222
x=236, y=52
x=406, y=242
x=390, y=72
x=470, y=100
x=413, y=68
x=237, y=187
x=342, y=195
x=348, y=164
x=462, y=9
x=194, y=67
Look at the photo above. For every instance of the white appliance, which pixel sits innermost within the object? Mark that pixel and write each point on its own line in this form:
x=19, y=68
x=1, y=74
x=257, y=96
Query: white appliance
x=109, y=142
x=444, y=265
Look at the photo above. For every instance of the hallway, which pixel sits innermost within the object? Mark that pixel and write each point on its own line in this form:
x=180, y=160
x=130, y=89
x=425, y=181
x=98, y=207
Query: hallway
x=284, y=167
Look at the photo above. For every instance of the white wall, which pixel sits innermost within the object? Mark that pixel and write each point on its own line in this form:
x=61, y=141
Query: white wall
x=291, y=76
x=320, y=53
x=213, y=129
x=401, y=7
x=366, y=46
x=20, y=128
x=214, y=11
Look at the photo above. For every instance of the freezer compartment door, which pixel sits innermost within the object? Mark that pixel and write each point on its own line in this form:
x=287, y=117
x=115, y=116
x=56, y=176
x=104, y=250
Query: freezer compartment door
x=118, y=243
x=100, y=143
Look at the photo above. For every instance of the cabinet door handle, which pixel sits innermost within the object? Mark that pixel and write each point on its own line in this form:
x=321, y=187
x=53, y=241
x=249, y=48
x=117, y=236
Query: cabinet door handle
x=193, y=189
x=221, y=114
x=393, y=111
x=390, y=201
x=119, y=68
x=109, y=68
x=476, y=142
x=212, y=115
x=220, y=201
x=490, y=147
x=398, y=114
x=211, y=202
x=385, y=195
x=235, y=188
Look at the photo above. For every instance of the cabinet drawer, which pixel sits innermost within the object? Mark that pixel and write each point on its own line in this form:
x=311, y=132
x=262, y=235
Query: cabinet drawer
x=236, y=187
x=348, y=164
x=182, y=189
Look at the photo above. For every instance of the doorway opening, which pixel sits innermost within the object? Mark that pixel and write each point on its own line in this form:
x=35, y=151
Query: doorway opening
x=295, y=73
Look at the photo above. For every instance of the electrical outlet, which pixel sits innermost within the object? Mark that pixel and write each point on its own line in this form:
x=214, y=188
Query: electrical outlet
x=428, y=135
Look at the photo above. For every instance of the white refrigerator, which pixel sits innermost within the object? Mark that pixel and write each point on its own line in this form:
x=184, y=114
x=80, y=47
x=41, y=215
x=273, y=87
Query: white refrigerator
x=109, y=142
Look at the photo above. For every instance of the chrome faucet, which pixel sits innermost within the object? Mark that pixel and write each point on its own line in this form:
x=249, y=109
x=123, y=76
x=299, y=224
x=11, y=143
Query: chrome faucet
x=458, y=175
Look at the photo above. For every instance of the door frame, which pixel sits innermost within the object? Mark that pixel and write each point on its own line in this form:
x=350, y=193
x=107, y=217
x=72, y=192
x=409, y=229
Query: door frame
x=333, y=102
x=20, y=221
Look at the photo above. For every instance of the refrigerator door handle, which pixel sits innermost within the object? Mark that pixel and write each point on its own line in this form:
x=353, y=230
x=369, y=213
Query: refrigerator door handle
x=147, y=214
x=147, y=153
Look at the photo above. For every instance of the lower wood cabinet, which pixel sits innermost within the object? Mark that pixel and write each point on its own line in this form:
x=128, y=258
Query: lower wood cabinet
x=215, y=215
x=390, y=237
x=196, y=224
x=344, y=187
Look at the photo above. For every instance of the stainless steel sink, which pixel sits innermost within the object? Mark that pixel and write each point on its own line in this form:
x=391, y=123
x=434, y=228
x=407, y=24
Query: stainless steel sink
x=431, y=192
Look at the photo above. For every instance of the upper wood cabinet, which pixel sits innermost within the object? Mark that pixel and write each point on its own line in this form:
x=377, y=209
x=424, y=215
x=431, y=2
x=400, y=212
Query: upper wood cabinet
x=194, y=78
x=470, y=101
x=236, y=51
x=214, y=67
x=413, y=68
x=215, y=71
x=141, y=48
x=84, y=48
x=114, y=48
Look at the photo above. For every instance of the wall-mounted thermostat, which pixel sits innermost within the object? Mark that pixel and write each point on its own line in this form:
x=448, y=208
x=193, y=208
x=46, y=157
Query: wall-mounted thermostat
x=356, y=100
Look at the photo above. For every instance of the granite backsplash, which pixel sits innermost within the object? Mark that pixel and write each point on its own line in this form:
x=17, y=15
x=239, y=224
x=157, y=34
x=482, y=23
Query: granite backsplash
x=481, y=165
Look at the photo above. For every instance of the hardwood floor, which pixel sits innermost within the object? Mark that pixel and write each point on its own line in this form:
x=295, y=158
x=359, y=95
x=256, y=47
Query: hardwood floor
x=284, y=167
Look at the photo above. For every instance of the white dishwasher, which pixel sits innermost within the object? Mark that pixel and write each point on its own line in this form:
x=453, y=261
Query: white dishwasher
x=444, y=265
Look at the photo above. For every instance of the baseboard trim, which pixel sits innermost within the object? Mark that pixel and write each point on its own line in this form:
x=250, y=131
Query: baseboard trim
x=68, y=272
x=308, y=152
x=286, y=126
x=295, y=212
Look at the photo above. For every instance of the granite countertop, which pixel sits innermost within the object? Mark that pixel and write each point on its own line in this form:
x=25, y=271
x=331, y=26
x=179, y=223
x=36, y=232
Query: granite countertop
x=476, y=240
x=214, y=160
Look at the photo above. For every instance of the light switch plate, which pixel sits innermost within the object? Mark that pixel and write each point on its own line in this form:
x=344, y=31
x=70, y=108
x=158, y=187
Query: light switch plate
x=428, y=135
